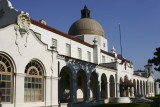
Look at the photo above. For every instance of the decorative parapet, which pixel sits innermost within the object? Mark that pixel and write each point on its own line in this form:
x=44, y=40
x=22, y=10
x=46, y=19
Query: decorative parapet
x=6, y=11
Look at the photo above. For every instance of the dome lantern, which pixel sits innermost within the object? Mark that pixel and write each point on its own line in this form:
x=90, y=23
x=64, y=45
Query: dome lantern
x=85, y=13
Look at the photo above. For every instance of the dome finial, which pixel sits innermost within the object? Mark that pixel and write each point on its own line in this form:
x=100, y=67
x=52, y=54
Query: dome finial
x=85, y=13
x=85, y=7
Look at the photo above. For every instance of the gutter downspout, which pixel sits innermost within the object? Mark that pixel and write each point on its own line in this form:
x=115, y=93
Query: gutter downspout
x=51, y=89
x=58, y=84
x=15, y=91
x=45, y=90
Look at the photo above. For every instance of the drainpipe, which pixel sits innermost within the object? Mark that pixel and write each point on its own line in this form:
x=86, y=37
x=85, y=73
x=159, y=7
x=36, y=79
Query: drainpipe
x=15, y=91
x=51, y=89
x=58, y=84
x=45, y=90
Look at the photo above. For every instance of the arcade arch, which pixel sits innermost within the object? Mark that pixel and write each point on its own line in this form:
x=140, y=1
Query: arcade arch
x=112, y=86
x=66, y=85
x=104, y=90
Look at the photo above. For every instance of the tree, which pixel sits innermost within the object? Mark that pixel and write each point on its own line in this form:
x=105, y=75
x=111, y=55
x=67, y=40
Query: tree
x=156, y=59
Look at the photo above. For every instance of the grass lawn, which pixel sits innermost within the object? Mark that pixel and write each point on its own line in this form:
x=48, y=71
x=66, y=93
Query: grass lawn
x=155, y=103
x=125, y=105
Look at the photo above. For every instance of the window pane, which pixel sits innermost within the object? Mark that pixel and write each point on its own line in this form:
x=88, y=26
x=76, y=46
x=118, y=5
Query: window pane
x=25, y=92
x=36, y=85
x=8, y=69
x=28, y=98
x=32, y=98
x=103, y=59
x=8, y=84
x=25, y=79
x=89, y=56
x=36, y=79
x=3, y=77
x=8, y=77
x=3, y=98
x=39, y=80
x=39, y=85
x=79, y=53
x=68, y=50
x=3, y=91
x=33, y=79
x=29, y=85
x=25, y=85
x=32, y=85
x=29, y=79
x=7, y=91
x=7, y=98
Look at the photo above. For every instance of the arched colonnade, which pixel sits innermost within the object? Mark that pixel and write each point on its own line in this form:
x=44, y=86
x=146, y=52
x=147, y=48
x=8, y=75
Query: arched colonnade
x=86, y=88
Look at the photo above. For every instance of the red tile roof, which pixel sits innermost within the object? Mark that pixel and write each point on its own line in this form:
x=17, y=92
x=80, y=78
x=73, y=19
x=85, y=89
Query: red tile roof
x=121, y=58
x=113, y=55
x=59, y=32
x=108, y=53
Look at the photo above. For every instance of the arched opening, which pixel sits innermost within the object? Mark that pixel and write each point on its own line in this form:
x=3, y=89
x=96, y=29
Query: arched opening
x=66, y=85
x=150, y=87
x=104, y=87
x=121, y=88
x=135, y=91
x=34, y=82
x=93, y=86
x=81, y=86
x=144, y=92
x=141, y=93
x=6, y=79
x=112, y=86
x=130, y=88
x=126, y=82
x=138, y=87
x=146, y=87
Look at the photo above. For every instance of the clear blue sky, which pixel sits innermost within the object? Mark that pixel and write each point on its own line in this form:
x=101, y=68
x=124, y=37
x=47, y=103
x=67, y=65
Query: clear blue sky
x=140, y=22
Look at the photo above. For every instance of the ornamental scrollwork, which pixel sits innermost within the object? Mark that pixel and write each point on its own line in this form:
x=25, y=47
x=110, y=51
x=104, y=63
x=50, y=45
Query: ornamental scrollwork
x=22, y=31
x=23, y=22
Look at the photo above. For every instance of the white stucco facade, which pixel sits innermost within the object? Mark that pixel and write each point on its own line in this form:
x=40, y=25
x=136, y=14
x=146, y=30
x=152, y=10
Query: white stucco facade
x=79, y=74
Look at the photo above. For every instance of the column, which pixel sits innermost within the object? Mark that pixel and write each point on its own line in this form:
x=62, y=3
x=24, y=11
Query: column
x=88, y=90
x=74, y=89
x=108, y=85
x=98, y=91
x=107, y=89
x=142, y=92
x=132, y=91
x=128, y=91
x=117, y=90
x=148, y=89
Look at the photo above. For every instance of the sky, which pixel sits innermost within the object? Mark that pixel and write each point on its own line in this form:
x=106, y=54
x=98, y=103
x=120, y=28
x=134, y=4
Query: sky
x=139, y=20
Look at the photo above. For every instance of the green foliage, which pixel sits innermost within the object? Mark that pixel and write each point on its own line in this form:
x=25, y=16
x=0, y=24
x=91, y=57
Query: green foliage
x=124, y=105
x=156, y=59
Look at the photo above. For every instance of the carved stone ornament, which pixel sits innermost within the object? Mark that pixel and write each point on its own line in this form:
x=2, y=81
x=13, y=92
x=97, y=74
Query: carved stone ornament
x=23, y=22
x=22, y=31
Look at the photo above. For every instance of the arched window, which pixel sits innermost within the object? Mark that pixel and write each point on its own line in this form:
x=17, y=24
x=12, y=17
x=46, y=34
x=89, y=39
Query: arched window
x=33, y=82
x=6, y=79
